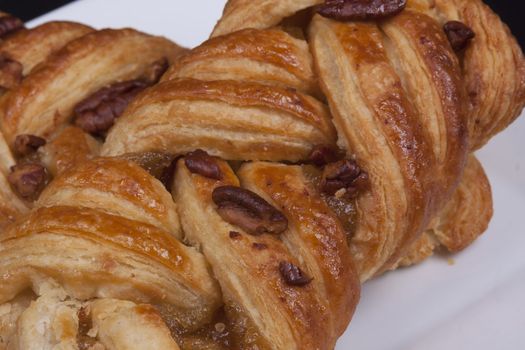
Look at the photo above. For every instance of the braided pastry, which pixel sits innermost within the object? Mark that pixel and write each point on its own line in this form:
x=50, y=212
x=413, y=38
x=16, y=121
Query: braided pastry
x=306, y=150
x=55, y=85
x=396, y=90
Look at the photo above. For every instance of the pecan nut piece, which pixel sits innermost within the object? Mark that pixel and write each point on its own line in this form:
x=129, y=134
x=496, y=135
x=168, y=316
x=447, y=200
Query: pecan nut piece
x=293, y=275
x=459, y=34
x=350, y=10
x=26, y=144
x=10, y=24
x=200, y=162
x=344, y=174
x=322, y=155
x=28, y=180
x=248, y=210
x=168, y=175
x=11, y=72
x=98, y=112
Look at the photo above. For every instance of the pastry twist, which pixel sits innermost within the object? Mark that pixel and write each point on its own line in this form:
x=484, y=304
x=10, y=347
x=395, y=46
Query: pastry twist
x=121, y=263
x=101, y=252
x=60, y=66
x=47, y=72
x=250, y=251
x=399, y=97
x=118, y=233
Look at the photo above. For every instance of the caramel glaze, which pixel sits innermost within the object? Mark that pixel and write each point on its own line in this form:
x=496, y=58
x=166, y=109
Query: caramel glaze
x=140, y=238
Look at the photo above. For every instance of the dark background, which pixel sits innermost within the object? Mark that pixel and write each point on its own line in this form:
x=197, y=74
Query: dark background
x=512, y=11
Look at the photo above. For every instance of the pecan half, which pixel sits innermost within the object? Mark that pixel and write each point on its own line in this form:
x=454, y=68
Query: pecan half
x=98, y=112
x=459, y=34
x=11, y=72
x=350, y=10
x=10, y=24
x=344, y=174
x=200, y=162
x=28, y=180
x=26, y=144
x=293, y=275
x=248, y=210
x=322, y=155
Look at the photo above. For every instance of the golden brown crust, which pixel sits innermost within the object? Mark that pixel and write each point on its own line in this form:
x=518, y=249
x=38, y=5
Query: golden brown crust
x=241, y=14
x=234, y=120
x=465, y=217
x=32, y=46
x=11, y=206
x=468, y=213
x=104, y=254
x=446, y=129
x=105, y=229
x=397, y=95
x=270, y=56
x=419, y=251
x=120, y=187
x=247, y=268
x=351, y=60
x=45, y=99
x=315, y=236
x=68, y=148
x=420, y=55
x=493, y=68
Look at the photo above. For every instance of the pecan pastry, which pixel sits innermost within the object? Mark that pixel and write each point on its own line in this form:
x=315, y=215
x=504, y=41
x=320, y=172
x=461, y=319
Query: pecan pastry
x=397, y=98
x=54, y=87
x=241, y=198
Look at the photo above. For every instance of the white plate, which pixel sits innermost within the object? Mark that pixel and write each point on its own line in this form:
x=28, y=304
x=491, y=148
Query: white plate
x=477, y=303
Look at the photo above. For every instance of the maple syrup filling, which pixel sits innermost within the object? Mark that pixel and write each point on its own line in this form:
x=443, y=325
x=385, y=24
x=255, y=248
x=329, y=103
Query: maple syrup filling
x=155, y=163
x=230, y=328
x=344, y=207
